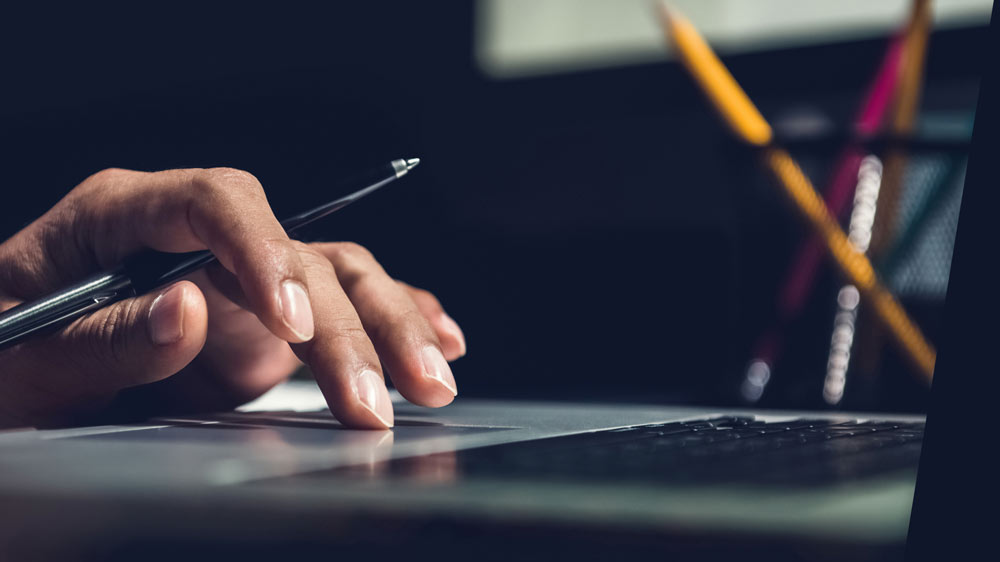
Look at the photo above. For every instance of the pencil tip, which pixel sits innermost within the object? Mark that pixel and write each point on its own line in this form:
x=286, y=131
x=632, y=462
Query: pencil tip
x=411, y=163
x=668, y=12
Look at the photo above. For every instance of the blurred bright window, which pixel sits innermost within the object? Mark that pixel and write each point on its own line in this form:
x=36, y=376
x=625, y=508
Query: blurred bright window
x=516, y=38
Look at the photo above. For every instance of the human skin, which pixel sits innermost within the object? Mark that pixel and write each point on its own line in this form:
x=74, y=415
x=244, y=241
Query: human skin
x=223, y=335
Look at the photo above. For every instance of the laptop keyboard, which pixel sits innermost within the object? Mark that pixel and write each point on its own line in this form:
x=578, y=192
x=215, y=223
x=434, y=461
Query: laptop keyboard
x=739, y=450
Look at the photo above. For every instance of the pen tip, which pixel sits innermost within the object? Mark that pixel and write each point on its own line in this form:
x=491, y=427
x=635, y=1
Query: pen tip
x=411, y=163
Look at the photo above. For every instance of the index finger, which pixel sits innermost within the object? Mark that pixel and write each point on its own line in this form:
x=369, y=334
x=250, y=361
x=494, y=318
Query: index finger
x=221, y=209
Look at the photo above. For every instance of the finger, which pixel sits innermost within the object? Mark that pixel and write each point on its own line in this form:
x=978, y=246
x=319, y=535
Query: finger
x=131, y=342
x=227, y=210
x=340, y=354
x=448, y=332
x=118, y=212
x=405, y=341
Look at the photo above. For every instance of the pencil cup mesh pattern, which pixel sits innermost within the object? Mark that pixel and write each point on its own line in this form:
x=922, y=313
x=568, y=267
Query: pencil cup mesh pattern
x=919, y=260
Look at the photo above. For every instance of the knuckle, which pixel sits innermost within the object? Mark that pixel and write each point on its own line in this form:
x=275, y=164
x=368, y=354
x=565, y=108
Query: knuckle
x=338, y=335
x=423, y=294
x=400, y=326
x=279, y=248
x=302, y=248
x=275, y=254
x=352, y=251
x=105, y=176
x=233, y=176
x=348, y=332
x=227, y=182
x=104, y=181
x=312, y=258
x=352, y=261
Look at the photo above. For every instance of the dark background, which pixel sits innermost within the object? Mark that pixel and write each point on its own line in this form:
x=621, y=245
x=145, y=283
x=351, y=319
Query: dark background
x=596, y=234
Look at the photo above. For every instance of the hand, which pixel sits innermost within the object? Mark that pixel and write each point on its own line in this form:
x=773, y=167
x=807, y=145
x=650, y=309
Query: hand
x=225, y=335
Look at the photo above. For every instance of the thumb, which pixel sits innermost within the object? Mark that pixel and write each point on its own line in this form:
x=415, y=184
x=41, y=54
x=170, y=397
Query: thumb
x=131, y=342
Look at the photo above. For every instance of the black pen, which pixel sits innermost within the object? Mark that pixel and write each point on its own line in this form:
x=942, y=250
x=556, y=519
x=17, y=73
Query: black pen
x=148, y=270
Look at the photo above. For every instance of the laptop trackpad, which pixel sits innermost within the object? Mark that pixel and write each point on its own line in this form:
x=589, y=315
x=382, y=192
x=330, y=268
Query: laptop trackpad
x=234, y=447
x=292, y=427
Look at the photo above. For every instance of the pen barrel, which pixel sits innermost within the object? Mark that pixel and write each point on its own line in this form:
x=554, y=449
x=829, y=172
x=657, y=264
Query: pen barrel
x=139, y=274
x=373, y=180
x=150, y=269
x=30, y=318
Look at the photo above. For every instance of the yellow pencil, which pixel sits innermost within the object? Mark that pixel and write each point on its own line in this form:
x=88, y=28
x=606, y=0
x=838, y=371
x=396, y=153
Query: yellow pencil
x=906, y=98
x=746, y=121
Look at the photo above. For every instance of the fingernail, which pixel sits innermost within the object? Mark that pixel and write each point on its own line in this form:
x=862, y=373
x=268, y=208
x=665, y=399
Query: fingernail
x=374, y=396
x=166, y=317
x=436, y=368
x=449, y=325
x=296, y=312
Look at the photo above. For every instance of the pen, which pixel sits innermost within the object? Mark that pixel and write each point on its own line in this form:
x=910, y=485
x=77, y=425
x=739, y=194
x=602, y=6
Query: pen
x=148, y=270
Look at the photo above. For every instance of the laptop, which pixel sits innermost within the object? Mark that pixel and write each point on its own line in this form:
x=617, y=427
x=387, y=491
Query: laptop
x=280, y=478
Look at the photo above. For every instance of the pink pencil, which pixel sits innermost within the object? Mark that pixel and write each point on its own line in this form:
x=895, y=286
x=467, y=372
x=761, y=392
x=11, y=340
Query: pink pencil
x=800, y=279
